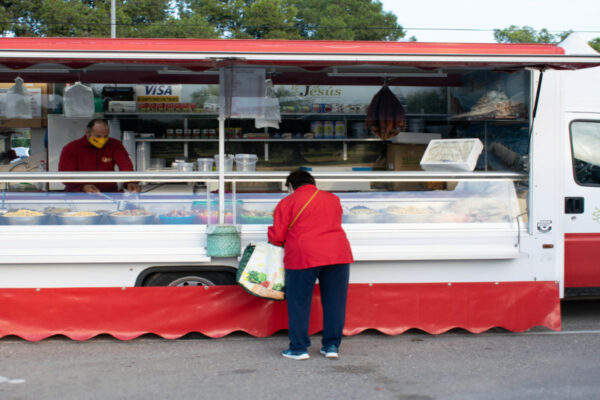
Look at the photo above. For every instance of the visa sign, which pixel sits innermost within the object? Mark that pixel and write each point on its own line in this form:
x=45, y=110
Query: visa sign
x=158, y=93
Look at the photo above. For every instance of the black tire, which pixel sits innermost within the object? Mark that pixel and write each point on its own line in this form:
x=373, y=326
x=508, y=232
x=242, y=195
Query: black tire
x=191, y=278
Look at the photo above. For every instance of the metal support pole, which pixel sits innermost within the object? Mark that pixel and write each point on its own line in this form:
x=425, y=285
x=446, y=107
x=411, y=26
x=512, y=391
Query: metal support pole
x=221, y=169
x=113, y=19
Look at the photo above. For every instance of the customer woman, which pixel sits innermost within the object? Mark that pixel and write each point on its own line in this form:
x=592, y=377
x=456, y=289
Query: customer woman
x=308, y=223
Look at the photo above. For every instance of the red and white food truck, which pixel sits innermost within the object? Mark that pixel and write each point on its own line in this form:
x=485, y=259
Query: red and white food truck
x=484, y=212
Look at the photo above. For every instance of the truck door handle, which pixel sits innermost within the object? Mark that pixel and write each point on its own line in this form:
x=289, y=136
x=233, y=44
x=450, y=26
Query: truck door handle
x=573, y=205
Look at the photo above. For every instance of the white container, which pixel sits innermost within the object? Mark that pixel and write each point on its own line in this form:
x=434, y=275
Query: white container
x=143, y=156
x=451, y=155
x=246, y=162
x=158, y=163
x=228, y=162
x=205, y=164
x=185, y=167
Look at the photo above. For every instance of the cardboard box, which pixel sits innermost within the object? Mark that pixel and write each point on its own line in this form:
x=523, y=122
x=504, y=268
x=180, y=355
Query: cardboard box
x=405, y=157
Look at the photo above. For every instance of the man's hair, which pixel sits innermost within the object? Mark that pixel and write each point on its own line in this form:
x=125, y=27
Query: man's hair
x=299, y=178
x=95, y=121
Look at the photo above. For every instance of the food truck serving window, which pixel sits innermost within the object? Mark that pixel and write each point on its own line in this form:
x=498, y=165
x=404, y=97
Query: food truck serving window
x=585, y=142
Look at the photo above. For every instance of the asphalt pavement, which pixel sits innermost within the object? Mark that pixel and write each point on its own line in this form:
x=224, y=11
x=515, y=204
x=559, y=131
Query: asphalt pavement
x=497, y=364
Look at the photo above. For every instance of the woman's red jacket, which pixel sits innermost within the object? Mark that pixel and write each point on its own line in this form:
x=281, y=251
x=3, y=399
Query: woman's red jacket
x=317, y=237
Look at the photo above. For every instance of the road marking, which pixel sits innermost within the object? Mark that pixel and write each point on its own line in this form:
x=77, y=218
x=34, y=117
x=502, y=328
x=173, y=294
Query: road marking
x=4, y=379
x=581, y=332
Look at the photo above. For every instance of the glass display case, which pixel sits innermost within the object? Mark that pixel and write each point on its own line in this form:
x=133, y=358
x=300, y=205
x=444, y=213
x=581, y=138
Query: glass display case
x=466, y=201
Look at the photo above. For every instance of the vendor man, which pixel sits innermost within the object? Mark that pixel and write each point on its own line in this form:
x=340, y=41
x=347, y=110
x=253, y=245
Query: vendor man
x=95, y=151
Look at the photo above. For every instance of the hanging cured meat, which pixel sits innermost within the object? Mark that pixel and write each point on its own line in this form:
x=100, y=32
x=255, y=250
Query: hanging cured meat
x=385, y=115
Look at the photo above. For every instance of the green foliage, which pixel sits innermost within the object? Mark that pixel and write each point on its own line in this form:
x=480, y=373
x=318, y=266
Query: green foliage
x=526, y=34
x=347, y=20
x=255, y=19
x=595, y=43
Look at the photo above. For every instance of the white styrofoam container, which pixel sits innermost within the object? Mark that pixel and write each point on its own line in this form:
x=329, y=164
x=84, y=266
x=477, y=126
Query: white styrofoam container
x=451, y=155
x=122, y=106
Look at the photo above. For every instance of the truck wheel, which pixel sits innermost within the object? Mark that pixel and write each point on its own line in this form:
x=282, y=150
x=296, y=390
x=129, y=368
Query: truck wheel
x=190, y=279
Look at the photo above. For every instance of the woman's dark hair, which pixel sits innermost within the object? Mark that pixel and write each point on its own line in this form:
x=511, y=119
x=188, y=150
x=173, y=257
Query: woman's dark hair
x=95, y=121
x=299, y=178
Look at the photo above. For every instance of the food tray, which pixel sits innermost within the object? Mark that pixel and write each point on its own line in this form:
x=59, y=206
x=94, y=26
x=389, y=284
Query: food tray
x=131, y=219
x=65, y=219
x=363, y=219
x=214, y=219
x=25, y=220
x=247, y=219
x=172, y=220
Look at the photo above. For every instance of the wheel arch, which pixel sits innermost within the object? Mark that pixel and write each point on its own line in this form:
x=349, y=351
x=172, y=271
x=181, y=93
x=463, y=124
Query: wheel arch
x=143, y=276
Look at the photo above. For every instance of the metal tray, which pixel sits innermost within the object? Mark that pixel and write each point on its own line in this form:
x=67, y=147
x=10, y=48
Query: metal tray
x=131, y=219
x=26, y=220
x=64, y=219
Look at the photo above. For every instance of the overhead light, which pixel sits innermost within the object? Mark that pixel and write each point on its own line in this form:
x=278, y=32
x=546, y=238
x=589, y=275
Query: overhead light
x=390, y=74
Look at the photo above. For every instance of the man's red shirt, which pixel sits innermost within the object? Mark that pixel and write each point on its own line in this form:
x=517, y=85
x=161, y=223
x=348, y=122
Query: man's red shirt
x=317, y=237
x=80, y=155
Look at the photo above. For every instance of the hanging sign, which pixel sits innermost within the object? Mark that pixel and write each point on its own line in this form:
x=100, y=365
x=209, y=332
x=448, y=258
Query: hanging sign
x=158, y=93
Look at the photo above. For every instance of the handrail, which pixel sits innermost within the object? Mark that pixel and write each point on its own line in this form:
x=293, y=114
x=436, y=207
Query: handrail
x=257, y=176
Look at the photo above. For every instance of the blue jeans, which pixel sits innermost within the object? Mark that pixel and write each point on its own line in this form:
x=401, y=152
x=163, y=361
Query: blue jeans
x=299, y=285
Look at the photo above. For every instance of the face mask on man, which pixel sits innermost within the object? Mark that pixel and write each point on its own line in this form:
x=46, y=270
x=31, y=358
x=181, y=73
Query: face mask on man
x=97, y=142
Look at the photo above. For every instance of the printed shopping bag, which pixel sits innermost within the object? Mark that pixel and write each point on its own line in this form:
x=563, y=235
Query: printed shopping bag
x=261, y=271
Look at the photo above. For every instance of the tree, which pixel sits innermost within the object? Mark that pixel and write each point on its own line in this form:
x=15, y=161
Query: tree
x=526, y=34
x=91, y=18
x=595, y=43
x=271, y=19
x=256, y=19
x=298, y=19
x=347, y=19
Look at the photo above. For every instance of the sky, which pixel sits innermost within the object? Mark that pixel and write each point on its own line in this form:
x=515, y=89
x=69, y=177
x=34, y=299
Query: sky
x=554, y=15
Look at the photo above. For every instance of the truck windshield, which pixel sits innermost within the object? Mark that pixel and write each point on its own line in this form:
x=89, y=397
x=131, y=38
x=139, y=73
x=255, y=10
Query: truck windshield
x=585, y=142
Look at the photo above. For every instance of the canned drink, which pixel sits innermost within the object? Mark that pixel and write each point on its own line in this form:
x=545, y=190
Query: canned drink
x=169, y=107
x=187, y=132
x=238, y=132
x=327, y=108
x=205, y=133
x=316, y=108
x=178, y=132
x=340, y=129
x=212, y=133
x=170, y=132
x=316, y=127
x=196, y=132
x=328, y=129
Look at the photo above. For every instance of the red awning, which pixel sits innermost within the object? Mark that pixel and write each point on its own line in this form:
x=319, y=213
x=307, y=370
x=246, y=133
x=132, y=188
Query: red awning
x=101, y=57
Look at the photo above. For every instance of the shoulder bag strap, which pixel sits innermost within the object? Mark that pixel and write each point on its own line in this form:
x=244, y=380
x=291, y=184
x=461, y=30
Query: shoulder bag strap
x=302, y=209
